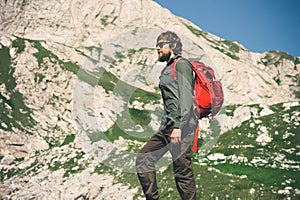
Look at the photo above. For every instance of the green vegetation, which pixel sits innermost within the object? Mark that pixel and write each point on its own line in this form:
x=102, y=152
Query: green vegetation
x=131, y=52
x=116, y=131
x=6, y=173
x=261, y=175
x=144, y=97
x=276, y=57
x=282, y=55
x=247, y=132
x=19, y=44
x=52, y=141
x=14, y=111
x=197, y=32
x=107, y=80
x=112, y=84
x=104, y=20
x=69, y=66
x=45, y=53
x=120, y=56
x=110, y=60
x=96, y=136
x=268, y=168
x=104, y=78
x=227, y=53
x=71, y=165
x=69, y=139
x=140, y=116
x=38, y=77
x=296, y=62
x=226, y=47
x=244, y=179
x=277, y=79
x=233, y=47
x=211, y=184
x=107, y=19
x=21, y=114
x=276, y=162
x=42, y=53
x=230, y=109
x=297, y=90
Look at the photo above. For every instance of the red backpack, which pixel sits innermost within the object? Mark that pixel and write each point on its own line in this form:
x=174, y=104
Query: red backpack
x=208, y=93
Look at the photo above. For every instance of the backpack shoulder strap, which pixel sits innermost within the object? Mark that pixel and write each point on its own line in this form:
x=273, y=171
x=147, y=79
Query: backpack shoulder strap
x=173, y=67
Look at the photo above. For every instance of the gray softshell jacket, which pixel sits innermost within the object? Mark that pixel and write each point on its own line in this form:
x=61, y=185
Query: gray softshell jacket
x=177, y=94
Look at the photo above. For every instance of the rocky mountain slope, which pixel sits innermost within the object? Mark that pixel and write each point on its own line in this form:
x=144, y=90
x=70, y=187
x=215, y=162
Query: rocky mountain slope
x=79, y=97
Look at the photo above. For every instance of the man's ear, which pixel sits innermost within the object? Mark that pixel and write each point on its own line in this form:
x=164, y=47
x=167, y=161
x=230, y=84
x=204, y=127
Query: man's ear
x=173, y=46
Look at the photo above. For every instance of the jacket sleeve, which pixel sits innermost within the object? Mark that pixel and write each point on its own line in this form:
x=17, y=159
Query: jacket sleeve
x=184, y=74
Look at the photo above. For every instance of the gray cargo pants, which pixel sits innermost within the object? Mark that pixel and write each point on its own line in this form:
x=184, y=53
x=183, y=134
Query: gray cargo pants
x=181, y=153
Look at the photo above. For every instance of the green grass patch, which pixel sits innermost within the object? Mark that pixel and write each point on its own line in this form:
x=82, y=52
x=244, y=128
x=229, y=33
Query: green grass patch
x=116, y=131
x=141, y=117
x=19, y=43
x=69, y=139
x=14, y=111
x=6, y=72
x=268, y=172
x=247, y=133
x=107, y=80
x=262, y=175
x=69, y=66
x=235, y=180
x=211, y=184
x=145, y=97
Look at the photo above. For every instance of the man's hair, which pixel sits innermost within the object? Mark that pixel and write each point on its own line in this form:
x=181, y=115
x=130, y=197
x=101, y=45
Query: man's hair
x=175, y=42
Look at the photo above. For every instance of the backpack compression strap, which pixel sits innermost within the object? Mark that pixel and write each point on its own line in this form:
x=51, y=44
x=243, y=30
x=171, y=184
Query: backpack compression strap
x=195, y=142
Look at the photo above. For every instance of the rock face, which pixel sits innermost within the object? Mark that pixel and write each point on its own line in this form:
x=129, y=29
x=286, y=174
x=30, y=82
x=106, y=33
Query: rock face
x=71, y=70
x=80, y=24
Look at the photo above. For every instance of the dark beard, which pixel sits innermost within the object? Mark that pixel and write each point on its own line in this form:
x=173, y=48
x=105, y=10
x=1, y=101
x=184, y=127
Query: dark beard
x=165, y=57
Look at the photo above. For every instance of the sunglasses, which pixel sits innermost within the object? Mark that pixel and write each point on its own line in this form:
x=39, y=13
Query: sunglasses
x=161, y=44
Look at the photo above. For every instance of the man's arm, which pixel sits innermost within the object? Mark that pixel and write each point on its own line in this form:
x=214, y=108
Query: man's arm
x=184, y=73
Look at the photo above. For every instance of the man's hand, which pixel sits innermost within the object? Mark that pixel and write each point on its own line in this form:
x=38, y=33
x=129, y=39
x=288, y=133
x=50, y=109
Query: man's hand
x=175, y=136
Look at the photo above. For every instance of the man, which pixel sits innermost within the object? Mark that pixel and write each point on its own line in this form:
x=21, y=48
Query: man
x=176, y=126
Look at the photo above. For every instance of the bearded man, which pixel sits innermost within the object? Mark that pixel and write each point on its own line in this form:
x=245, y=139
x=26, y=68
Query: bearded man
x=176, y=126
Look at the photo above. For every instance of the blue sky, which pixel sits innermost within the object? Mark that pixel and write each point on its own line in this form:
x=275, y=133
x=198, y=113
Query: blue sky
x=259, y=25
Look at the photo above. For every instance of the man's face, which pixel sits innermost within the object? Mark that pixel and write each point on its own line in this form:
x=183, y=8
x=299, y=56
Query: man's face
x=163, y=50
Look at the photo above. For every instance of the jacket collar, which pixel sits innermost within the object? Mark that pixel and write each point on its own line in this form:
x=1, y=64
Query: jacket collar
x=172, y=59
